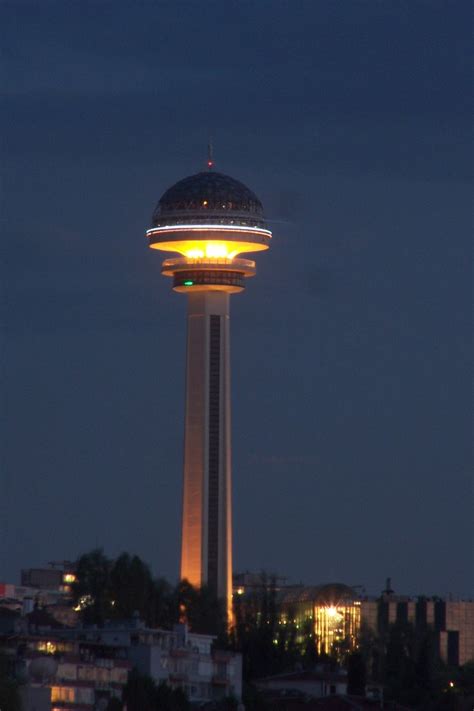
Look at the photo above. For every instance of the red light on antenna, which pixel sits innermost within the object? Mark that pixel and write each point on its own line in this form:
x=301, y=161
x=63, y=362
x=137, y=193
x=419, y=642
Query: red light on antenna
x=210, y=163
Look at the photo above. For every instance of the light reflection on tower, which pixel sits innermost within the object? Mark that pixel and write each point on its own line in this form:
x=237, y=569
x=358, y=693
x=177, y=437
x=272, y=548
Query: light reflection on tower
x=208, y=219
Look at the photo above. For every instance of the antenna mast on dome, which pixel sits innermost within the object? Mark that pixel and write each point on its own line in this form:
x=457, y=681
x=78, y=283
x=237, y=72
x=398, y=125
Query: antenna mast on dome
x=210, y=159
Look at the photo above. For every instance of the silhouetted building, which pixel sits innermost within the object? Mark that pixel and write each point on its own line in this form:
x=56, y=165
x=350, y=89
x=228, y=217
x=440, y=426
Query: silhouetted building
x=336, y=615
x=253, y=582
x=315, y=683
x=54, y=597
x=58, y=576
x=451, y=620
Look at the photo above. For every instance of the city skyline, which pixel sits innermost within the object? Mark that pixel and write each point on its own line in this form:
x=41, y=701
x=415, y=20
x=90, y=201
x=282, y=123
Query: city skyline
x=352, y=447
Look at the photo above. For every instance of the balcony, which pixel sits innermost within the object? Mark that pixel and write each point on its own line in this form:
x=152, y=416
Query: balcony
x=177, y=264
x=180, y=652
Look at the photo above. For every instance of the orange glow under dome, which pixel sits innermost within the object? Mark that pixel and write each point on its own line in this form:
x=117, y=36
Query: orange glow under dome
x=199, y=248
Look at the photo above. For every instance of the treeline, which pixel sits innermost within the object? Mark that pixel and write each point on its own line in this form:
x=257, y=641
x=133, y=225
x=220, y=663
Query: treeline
x=268, y=646
x=404, y=660
x=141, y=693
x=108, y=589
x=9, y=692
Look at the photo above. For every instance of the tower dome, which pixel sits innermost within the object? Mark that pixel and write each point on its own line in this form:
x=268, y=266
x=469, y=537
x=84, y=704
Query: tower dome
x=209, y=214
x=209, y=197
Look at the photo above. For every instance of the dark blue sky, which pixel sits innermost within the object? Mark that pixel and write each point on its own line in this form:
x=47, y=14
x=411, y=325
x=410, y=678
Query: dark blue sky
x=351, y=349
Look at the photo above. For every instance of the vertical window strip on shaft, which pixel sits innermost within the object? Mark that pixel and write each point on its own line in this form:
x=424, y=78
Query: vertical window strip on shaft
x=214, y=436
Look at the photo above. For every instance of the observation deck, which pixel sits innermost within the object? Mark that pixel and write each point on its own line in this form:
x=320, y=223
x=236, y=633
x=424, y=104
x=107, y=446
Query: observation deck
x=209, y=219
x=207, y=274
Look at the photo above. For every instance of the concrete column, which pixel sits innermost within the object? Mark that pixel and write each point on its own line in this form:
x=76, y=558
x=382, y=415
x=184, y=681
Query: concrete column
x=206, y=552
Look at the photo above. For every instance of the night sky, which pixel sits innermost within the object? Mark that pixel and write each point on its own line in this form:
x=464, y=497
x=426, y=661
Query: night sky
x=351, y=349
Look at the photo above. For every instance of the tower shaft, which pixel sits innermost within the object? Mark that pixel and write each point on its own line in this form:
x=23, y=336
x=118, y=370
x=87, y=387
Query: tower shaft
x=206, y=545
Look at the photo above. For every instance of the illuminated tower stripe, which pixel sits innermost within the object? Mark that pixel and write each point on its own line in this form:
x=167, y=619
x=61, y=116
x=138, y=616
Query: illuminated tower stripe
x=214, y=441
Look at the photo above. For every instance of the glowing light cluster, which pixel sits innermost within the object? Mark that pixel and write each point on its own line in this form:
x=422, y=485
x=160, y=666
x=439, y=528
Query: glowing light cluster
x=209, y=241
x=83, y=602
x=208, y=249
x=211, y=250
x=336, y=625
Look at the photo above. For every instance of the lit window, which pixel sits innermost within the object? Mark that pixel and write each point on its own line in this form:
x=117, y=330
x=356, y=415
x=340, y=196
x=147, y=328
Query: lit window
x=48, y=647
x=62, y=693
x=336, y=625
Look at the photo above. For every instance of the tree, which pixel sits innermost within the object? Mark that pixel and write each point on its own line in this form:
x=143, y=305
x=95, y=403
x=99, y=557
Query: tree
x=162, y=610
x=406, y=660
x=200, y=609
x=139, y=693
x=9, y=694
x=168, y=699
x=253, y=699
x=114, y=705
x=268, y=647
x=309, y=651
x=399, y=662
x=131, y=588
x=466, y=678
x=372, y=648
x=142, y=694
x=116, y=589
x=91, y=591
x=427, y=665
x=229, y=703
x=356, y=674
